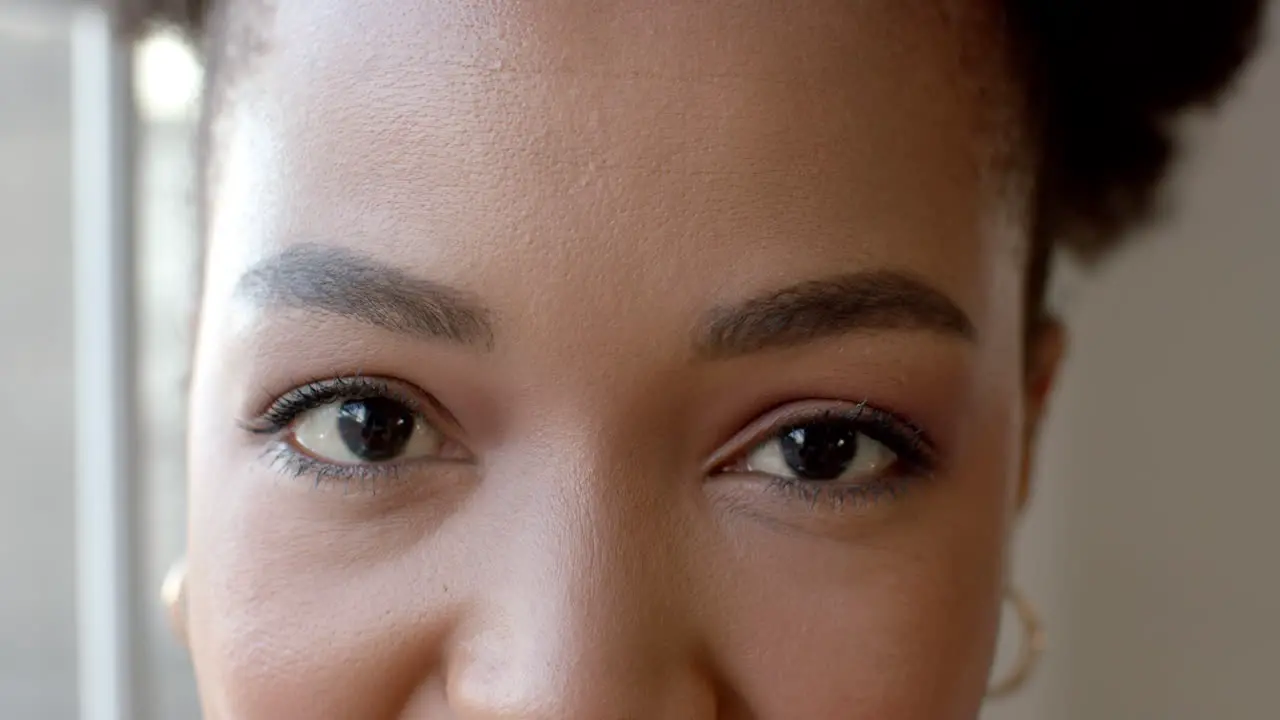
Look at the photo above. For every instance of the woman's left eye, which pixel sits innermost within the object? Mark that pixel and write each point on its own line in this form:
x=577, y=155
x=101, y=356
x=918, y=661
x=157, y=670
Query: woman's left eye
x=820, y=451
x=836, y=452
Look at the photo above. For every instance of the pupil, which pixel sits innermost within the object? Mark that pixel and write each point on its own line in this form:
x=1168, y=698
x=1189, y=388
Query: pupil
x=375, y=429
x=820, y=450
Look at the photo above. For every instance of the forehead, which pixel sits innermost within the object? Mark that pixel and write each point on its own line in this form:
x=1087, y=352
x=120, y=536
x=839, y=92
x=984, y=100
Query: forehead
x=640, y=134
x=809, y=56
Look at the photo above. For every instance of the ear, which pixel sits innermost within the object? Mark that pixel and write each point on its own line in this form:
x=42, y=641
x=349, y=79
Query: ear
x=173, y=594
x=1045, y=350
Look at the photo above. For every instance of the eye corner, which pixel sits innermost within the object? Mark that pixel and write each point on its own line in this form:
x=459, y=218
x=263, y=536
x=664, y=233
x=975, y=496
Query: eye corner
x=260, y=425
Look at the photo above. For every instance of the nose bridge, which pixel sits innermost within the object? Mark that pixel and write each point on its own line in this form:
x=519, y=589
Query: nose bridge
x=586, y=616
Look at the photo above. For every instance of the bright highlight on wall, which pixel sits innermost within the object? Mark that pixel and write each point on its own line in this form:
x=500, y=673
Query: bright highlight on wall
x=168, y=78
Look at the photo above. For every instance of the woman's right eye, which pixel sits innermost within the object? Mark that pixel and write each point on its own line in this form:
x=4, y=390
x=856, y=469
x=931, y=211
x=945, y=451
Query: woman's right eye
x=365, y=431
x=357, y=428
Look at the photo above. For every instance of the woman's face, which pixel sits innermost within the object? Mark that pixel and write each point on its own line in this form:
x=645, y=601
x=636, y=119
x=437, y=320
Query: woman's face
x=607, y=360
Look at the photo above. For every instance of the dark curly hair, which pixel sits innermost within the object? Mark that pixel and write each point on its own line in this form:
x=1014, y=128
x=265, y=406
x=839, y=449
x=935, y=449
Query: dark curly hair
x=1107, y=80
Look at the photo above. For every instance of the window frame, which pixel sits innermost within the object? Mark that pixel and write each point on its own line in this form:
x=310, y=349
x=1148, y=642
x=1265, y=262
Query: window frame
x=104, y=125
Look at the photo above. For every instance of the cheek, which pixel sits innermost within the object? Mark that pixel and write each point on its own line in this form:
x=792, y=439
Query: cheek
x=293, y=618
x=299, y=597
x=901, y=645
x=900, y=623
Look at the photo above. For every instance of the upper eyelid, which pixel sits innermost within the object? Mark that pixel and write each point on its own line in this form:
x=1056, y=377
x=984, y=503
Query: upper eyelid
x=266, y=398
x=327, y=390
x=768, y=423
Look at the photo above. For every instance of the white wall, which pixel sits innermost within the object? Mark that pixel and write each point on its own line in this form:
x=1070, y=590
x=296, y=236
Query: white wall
x=1154, y=539
x=37, y=560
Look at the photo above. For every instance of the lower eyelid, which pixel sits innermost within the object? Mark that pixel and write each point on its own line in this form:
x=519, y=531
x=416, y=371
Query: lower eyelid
x=832, y=512
x=284, y=458
x=846, y=496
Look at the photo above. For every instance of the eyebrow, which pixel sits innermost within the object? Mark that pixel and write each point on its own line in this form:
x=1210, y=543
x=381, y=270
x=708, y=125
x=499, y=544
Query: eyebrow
x=819, y=309
x=345, y=283
x=342, y=282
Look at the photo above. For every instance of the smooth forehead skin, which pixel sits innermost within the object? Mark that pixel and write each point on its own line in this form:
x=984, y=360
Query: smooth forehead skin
x=600, y=178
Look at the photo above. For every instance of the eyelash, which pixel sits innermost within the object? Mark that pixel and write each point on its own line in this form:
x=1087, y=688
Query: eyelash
x=359, y=479
x=914, y=451
x=316, y=393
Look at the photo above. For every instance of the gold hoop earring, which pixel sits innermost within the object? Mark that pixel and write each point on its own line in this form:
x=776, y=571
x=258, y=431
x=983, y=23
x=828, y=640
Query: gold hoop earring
x=1030, y=650
x=173, y=595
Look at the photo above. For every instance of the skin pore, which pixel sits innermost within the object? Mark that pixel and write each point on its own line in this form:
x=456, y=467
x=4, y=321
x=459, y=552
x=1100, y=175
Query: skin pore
x=596, y=259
